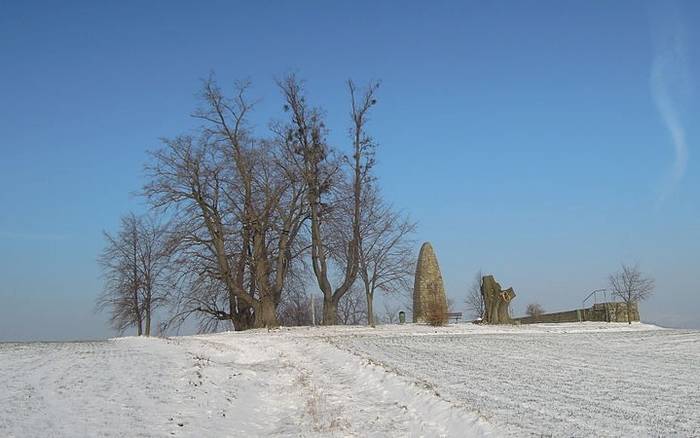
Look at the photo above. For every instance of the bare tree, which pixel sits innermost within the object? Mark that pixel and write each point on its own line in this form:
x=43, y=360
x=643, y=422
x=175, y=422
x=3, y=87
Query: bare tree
x=475, y=299
x=239, y=211
x=387, y=260
x=352, y=307
x=631, y=286
x=119, y=263
x=296, y=308
x=154, y=261
x=391, y=312
x=534, y=310
x=305, y=136
x=205, y=298
x=212, y=248
x=135, y=265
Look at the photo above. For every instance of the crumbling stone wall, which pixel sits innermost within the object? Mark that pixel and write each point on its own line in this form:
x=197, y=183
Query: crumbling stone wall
x=603, y=312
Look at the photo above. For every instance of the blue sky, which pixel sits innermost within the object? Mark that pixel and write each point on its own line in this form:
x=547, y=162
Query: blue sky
x=543, y=142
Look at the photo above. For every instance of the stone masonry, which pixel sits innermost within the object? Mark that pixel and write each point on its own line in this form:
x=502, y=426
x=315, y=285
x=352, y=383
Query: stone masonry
x=428, y=290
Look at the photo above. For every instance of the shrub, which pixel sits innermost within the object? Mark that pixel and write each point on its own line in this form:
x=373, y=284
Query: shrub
x=534, y=310
x=436, y=314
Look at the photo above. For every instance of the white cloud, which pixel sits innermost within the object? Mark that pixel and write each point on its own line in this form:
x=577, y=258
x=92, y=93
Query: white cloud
x=670, y=85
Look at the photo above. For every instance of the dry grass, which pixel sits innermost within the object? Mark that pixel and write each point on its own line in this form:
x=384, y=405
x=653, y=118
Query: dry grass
x=325, y=416
x=436, y=315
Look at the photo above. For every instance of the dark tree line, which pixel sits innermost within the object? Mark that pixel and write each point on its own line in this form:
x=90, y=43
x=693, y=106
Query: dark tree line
x=254, y=221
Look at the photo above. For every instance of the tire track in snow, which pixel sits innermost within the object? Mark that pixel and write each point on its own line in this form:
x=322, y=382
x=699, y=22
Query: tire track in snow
x=341, y=395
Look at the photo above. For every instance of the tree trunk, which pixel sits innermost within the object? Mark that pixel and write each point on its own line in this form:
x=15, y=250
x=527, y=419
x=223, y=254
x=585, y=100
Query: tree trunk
x=370, y=309
x=629, y=312
x=496, y=301
x=243, y=319
x=330, y=310
x=147, y=311
x=503, y=313
x=139, y=322
x=139, y=316
x=240, y=314
x=266, y=314
x=148, y=320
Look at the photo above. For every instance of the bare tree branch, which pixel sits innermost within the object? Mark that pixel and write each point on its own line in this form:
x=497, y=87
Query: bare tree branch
x=631, y=286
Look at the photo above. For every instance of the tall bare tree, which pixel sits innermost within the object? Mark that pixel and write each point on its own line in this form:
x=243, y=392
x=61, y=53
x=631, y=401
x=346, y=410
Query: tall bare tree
x=187, y=176
x=631, y=286
x=474, y=301
x=135, y=266
x=305, y=135
x=154, y=266
x=119, y=263
x=271, y=197
x=387, y=259
x=238, y=203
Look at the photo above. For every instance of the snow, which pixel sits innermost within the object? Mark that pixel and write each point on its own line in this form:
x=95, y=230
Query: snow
x=462, y=380
x=589, y=379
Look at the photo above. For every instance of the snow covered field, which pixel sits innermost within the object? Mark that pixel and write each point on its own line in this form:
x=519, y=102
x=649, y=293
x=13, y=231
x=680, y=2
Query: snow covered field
x=558, y=380
x=589, y=379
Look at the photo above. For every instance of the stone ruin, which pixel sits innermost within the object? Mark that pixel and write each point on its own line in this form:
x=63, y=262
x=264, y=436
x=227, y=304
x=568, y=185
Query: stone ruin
x=602, y=312
x=496, y=301
x=429, y=300
x=429, y=290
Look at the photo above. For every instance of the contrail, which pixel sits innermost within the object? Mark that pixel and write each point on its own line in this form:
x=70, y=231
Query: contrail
x=670, y=85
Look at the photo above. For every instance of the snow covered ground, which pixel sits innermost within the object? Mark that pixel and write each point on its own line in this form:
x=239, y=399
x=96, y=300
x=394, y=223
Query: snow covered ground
x=589, y=379
x=586, y=379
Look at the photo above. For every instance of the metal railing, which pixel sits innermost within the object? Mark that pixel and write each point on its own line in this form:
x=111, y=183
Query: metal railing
x=593, y=294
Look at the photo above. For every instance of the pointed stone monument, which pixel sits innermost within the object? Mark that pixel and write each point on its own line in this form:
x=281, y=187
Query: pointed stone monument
x=429, y=298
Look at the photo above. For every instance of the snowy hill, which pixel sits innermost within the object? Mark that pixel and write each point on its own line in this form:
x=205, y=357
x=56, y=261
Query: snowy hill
x=463, y=380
